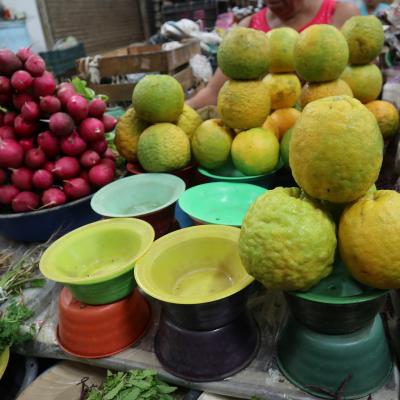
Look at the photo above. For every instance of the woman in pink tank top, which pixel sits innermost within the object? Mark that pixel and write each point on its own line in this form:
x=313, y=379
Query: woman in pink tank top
x=297, y=14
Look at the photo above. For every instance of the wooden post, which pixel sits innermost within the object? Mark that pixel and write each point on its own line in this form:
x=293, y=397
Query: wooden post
x=44, y=18
x=144, y=18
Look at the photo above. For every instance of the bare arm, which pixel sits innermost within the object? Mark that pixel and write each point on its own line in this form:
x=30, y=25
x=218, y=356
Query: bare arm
x=343, y=12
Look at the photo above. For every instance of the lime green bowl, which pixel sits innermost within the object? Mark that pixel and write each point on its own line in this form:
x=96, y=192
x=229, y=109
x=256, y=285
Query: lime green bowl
x=96, y=261
x=219, y=203
x=4, y=358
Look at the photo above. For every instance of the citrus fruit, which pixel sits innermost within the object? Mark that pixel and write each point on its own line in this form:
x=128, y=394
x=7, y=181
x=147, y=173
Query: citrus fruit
x=243, y=54
x=365, y=37
x=163, y=147
x=287, y=242
x=336, y=149
x=271, y=125
x=127, y=132
x=285, y=143
x=189, y=120
x=386, y=115
x=211, y=143
x=280, y=48
x=365, y=81
x=369, y=239
x=314, y=91
x=284, y=89
x=321, y=53
x=158, y=98
x=244, y=104
x=281, y=120
x=255, y=152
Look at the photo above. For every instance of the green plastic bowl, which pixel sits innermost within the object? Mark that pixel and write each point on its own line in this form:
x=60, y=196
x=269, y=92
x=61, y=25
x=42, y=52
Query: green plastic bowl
x=220, y=203
x=312, y=360
x=96, y=261
x=228, y=173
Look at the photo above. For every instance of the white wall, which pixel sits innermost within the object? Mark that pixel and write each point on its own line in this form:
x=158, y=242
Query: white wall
x=33, y=22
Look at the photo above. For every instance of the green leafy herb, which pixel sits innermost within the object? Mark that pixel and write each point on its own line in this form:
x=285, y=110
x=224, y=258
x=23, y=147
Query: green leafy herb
x=81, y=88
x=132, y=385
x=11, y=320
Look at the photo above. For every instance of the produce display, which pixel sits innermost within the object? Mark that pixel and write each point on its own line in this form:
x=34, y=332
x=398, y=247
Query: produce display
x=52, y=144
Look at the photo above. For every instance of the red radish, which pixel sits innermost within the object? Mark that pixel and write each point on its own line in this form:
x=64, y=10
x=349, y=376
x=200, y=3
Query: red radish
x=35, y=158
x=30, y=111
x=5, y=99
x=73, y=144
x=6, y=132
x=66, y=167
x=97, y=108
x=7, y=193
x=24, y=53
x=64, y=94
x=24, y=128
x=76, y=188
x=84, y=175
x=65, y=85
x=26, y=143
x=22, y=178
x=25, y=201
x=21, y=81
x=45, y=85
x=100, y=146
x=109, y=122
x=91, y=129
x=53, y=197
x=9, y=118
x=11, y=153
x=109, y=154
x=107, y=161
x=9, y=62
x=100, y=175
x=42, y=179
x=78, y=107
x=20, y=99
x=50, y=104
x=35, y=65
x=3, y=176
x=89, y=158
x=5, y=85
x=48, y=143
x=48, y=166
x=61, y=124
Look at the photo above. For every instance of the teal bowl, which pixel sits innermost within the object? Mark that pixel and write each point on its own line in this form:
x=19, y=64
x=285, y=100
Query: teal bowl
x=222, y=203
x=319, y=363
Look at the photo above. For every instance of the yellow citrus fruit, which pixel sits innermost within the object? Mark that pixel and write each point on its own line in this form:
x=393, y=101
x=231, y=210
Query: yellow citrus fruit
x=285, y=143
x=211, y=143
x=321, y=53
x=163, y=147
x=255, y=152
x=365, y=81
x=386, y=115
x=336, y=149
x=314, y=91
x=280, y=49
x=127, y=132
x=369, y=239
x=189, y=120
x=244, y=104
x=281, y=120
x=271, y=125
x=284, y=89
x=365, y=37
x=287, y=241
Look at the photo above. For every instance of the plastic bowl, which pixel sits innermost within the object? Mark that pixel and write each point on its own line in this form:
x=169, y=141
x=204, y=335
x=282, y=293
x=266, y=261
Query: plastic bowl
x=101, y=331
x=338, y=304
x=39, y=226
x=228, y=173
x=96, y=261
x=220, y=203
x=4, y=358
x=150, y=197
x=311, y=360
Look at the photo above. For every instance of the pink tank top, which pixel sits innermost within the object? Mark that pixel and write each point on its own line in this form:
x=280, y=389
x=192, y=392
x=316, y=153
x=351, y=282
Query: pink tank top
x=324, y=16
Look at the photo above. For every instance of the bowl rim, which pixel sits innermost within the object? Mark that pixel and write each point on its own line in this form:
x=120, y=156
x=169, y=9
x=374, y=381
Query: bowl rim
x=250, y=188
x=4, y=358
x=133, y=223
x=179, y=185
x=200, y=231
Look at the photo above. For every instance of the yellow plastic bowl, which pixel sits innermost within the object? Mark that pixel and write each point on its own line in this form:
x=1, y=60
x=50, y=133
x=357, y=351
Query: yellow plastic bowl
x=195, y=265
x=4, y=357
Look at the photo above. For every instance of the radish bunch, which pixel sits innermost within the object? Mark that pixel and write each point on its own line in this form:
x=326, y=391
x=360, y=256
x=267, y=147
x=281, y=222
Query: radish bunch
x=52, y=144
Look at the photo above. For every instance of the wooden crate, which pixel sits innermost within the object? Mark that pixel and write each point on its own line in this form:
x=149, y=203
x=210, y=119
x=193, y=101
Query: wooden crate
x=139, y=58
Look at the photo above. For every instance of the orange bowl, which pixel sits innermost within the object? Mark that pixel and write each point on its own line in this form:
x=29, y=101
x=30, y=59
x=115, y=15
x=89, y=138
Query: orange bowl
x=100, y=331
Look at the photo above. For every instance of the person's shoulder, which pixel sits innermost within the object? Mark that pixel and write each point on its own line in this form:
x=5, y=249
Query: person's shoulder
x=344, y=11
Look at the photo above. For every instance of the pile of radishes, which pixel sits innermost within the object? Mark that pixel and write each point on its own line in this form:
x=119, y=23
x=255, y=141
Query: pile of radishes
x=52, y=143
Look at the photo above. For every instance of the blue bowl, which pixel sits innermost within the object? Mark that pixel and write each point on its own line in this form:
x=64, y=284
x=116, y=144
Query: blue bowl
x=39, y=226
